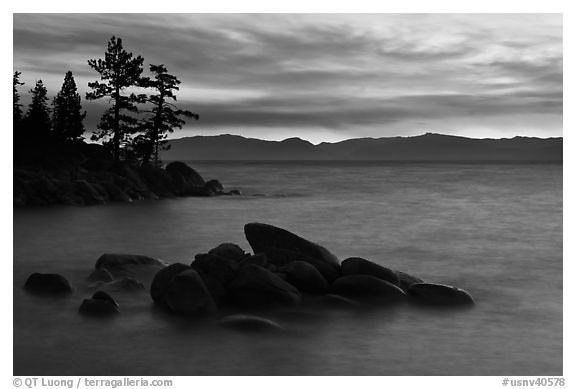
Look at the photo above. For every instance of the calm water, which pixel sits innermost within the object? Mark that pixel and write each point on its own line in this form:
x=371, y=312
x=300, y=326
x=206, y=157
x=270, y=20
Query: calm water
x=494, y=230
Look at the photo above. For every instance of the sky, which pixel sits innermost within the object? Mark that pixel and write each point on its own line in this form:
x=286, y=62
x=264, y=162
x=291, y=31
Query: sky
x=322, y=77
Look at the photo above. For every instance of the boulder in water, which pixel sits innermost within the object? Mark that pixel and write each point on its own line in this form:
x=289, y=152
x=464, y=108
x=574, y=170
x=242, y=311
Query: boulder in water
x=223, y=269
x=255, y=285
x=101, y=295
x=367, y=287
x=305, y=277
x=162, y=280
x=352, y=266
x=407, y=280
x=98, y=307
x=229, y=251
x=113, y=261
x=437, y=294
x=47, y=283
x=187, y=294
x=101, y=275
x=243, y=322
x=281, y=257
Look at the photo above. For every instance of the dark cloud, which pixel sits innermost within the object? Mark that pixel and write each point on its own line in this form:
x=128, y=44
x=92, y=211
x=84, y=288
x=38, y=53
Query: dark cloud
x=336, y=72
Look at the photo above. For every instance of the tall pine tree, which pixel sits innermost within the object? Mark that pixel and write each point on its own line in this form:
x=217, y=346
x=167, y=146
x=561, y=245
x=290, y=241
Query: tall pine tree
x=38, y=116
x=16, y=98
x=67, y=115
x=165, y=116
x=118, y=71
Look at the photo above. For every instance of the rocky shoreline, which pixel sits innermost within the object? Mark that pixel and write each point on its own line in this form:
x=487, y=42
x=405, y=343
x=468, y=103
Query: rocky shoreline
x=86, y=174
x=284, y=270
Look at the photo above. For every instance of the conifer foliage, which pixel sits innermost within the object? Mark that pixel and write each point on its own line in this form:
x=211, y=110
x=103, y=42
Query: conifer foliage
x=38, y=116
x=67, y=115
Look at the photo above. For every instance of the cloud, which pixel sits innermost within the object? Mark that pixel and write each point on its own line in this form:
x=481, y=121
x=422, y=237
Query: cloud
x=342, y=73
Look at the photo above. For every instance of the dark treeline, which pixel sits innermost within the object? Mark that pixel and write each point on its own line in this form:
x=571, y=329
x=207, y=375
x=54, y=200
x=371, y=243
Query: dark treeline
x=133, y=128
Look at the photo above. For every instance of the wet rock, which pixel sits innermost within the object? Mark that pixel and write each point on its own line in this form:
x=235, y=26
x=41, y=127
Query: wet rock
x=243, y=322
x=254, y=286
x=125, y=284
x=282, y=257
x=366, y=287
x=186, y=180
x=264, y=237
x=215, y=187
x=258, y=259
x=188, y=295
x=407, y=280
x=335, y=300
x=47, y=283
x=101, y=275
x=229, y=251
x=162, y=280
x=217, y=290
x=352, y=266
x=437, y=294
x=235, y=192
x=98, y=307
x=305, y=277
x=114, y=261
x=222, y=269
x=158, y=180
x=101, y=295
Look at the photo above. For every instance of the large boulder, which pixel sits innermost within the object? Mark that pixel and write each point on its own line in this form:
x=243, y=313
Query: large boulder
x=47, y=283
x=407, y=280
x=100, y=275
x=158, y=180
x=242, y=322
x=352, y=266
x=282, y=257
x=362, y=286
x=222, y=269
x=437, y=294
x=215, y=187
x=186, y=180
x=187, y=294
x=163, y=279
x=217, y=290
x=305, y=277
x=101, y=295
x=254, y=286
x=114, y=261
x=98, y=307
x=229, y=251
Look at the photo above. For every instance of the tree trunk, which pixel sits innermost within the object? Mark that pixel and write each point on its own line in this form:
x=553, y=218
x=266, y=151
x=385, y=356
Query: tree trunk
x=117, y=125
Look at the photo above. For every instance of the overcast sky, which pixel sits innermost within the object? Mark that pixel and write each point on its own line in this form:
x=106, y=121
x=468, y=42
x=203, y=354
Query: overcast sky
x=323, y=77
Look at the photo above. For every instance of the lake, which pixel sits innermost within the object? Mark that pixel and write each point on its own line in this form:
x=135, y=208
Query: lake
x=494, y=230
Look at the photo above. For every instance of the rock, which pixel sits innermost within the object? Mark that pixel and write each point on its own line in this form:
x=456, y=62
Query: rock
x=98, y=307
x=338, y=301
x=438, y=294
x=258, y=259
x=235, y=192
x=113, y=261
x=101, y=295
x=264, y=236
x=282, y=257
x=366, y=287
x=186, y=180
x=115, y=193
x=222, y=269
x=305, y=277
x=162, y=280
x=47, y=283
x=215, y=187
x=217, y=290
x=254, y=285
x=249, y=323
x=102, y=275
x=89, y=194
x=125, y=284
x=352, y=266
x=158, y=180
x=188, y=295
x=229, y=251
x=407, y=280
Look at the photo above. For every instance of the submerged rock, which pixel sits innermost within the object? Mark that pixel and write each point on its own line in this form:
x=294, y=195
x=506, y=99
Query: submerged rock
x=282, y=247
x=113, y=261
x=352, y=266
x=187, y=294
x=254, y=285
x=98, y=307
x=366, y=287
x=243, y=322
x=101, y=275
x=101, y=295
x=305, y=277
x=162, y=280
x=338, y=301
x=438, y=294
x=47, y=283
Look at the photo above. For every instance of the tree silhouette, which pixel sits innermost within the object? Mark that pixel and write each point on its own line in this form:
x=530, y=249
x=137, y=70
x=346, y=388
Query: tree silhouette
x=67, y=115
x=38, y=116
x=16, y=98
x=119, y=71
x=165, y=116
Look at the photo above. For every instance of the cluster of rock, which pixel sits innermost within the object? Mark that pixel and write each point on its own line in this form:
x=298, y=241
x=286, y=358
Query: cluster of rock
x=87, y=175
x=284, y=269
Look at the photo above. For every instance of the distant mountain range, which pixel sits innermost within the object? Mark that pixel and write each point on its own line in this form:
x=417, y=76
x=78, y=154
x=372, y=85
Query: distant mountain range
x=427, y=147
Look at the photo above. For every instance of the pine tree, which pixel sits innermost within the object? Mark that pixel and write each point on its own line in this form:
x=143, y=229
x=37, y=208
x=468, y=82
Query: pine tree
x=16, y=98
x=38, y=116
x=118, y=71
x=67, y=115
x=165, y=116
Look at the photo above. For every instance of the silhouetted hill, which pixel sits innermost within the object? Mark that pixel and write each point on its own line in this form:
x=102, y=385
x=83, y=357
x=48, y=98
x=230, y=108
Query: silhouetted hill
x=428, y=147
